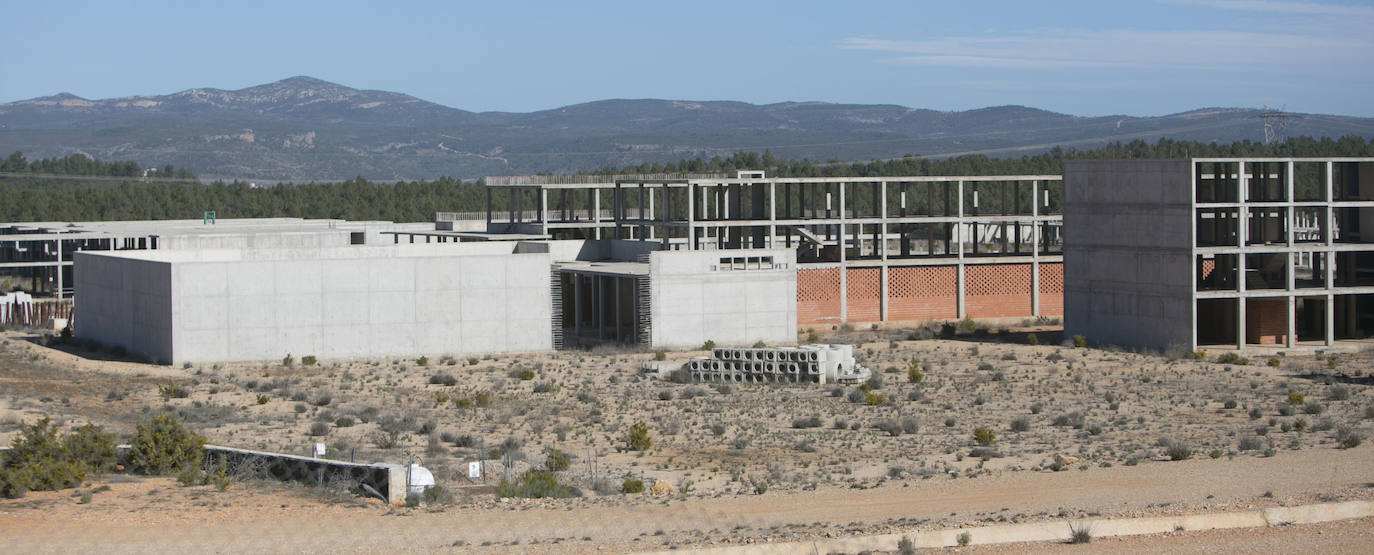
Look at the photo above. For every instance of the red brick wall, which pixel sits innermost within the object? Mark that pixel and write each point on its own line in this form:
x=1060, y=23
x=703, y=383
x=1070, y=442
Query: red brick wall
x=1266, y=321
x=818, y=296
x=997, y=290
x=922, y=292
x=863, y=294
x=1051, y=289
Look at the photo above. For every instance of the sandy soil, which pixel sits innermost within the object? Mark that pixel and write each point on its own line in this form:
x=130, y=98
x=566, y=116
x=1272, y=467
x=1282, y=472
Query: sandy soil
x=1078, y=432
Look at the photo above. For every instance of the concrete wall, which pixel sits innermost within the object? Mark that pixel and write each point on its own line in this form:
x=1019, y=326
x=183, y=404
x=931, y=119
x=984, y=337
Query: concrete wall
x=1127, y=251
x=346, y=302
x=693, y=303
x=124, y=301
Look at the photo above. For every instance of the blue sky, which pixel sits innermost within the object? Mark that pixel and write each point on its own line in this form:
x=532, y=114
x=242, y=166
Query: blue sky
x=1143, y=57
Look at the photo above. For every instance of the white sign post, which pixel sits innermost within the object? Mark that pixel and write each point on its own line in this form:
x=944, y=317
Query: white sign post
x=474, y=470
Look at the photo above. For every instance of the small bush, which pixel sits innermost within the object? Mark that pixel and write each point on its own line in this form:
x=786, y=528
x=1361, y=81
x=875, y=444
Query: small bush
x=631, y=485
x=857, y=395
x=443, y=379
x=1080, y=532
x=557, y=461
x=708, y=345
x=534, y=484
x=1250, y=443
x=308, y=360
x=422, y=361
x=1255, y=413
x=1031, y=339
x=984, y=436
x=344, y=422
x=874, y=399
x=888, y=425
x=638, y=437
x=807, y=422
x=1232, y=358
x=964, y=539
x=1313, y=407
x=1339, y=393
x=1273, y=362
x=1229, y=404
x=1020, y=424
x=910, y=424
x=1079, y=341
x=905, y=546
x=543, y=387
x=161, y=445
x=1295, y=398
x=288, y=360
x=665, y=395
x=319, y=428
x=660, y=356
x=1348, y=438
x=1177, y=450
x=262, y=399
x=525, y=375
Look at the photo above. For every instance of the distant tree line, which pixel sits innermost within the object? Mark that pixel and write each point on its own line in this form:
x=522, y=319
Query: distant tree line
x=1048, y=162
x=80, y=164
x=45, y=196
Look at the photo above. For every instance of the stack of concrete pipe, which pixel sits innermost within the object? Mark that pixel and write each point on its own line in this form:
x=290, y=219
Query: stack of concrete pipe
x=804, y=364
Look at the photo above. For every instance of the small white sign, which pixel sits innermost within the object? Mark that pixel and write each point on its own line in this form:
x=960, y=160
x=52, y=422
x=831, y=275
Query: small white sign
x=319, y=450
x=474, y=470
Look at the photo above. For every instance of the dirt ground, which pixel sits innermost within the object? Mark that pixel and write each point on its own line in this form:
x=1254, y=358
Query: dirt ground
x=1077, y=432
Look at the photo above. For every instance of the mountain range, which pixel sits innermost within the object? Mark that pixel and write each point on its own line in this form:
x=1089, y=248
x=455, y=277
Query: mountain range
x=304, y=129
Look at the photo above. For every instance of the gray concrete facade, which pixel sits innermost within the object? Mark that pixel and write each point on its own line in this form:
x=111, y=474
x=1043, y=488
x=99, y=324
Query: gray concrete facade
x=1127, y=252
x=349, y=302
x=732, y=297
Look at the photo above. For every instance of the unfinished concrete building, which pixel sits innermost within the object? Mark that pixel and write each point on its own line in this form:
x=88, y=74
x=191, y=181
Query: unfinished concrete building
x=866, y=249
x=1220, y=252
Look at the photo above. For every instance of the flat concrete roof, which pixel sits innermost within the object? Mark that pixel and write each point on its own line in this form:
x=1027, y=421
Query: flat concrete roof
x=607, y=268
x=404, y=250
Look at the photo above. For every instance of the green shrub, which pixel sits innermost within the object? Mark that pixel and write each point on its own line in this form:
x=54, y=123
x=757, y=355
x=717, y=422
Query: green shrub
x=557, y=461
x=874, y=399
x=964, y=539
x=288, y=360
x=1232, y=358
x=1295, y=398
x=811, y=337
x=984, y=436
x=309, y=360
x=319, y=428
x=525, y=375
x=39, y=461
x=631, y=485
x=161, y=446
x=1079, y=341
x=913, y=371
x=1177, y=450
x=1031, y=339
x=660, y=355
x=1274, y=362
x=813, y=421
x=422, y=361
x=1080, y=532
x=262, y=399
x=638, y=438
x=534, y=484
x=967, y=325
x=708, y=345
x=1020, y=424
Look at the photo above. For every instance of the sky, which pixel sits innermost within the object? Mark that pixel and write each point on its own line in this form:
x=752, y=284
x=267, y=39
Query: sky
x=1090, y=58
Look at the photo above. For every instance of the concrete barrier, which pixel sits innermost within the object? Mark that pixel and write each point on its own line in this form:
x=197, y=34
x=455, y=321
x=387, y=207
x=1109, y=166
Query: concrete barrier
x=1060, y=530
x=387, y=478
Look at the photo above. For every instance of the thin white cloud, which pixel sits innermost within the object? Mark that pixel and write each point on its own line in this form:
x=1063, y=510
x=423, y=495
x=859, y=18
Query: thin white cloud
x=1293, y=8
x=1196, y=50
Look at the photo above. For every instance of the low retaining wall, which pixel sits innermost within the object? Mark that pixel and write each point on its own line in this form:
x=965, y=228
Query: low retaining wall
x=1060, y=531
x=388, y=479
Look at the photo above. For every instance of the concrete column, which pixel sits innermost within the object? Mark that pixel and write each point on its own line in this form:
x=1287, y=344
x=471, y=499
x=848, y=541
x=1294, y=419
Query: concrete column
x=618, y=323
x=599, y=306
x=59, y=269
x=1292, y=322
x=488, y=206
x=772, y=215
x=882, y=245
x=1330, y=319
x=596, y=213
x=844, y=274
x=1035, y=248
x=543, y=210
x=1240, y=324
x=577, y=304
x=691, y=217
x=959, y=242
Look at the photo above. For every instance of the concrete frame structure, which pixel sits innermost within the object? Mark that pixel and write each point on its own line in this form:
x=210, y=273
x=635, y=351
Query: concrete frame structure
x=1236, y=252
x=905, y=250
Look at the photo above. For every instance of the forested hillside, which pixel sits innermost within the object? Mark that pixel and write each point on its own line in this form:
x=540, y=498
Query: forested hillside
x=77, y=188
